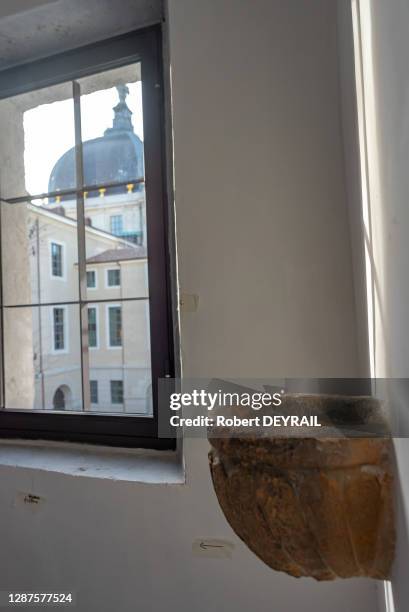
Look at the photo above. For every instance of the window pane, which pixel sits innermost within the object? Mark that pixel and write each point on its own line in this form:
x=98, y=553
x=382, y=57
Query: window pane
x=39, y=255
x=38, y=128
x=112, y=130
x=128, y=362
x=39, y=237
x=115, y=215
x=42, y=359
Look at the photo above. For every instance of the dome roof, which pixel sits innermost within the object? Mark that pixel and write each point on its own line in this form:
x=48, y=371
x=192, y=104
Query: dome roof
x=117, y=156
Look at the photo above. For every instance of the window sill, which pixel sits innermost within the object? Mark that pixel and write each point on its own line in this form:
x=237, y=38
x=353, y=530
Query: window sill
x=125, y=465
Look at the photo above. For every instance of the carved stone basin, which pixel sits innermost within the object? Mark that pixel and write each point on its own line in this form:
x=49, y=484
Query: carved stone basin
x=311, y=506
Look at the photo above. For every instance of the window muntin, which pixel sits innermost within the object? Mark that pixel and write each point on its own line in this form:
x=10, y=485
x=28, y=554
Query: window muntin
x=117, y=391
x=93, y=384
x=145, y=45
x=59, y=329
x=57, y=259
x=114, y=277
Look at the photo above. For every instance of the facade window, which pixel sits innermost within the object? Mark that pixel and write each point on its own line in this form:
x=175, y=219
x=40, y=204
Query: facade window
x=59, y=328
x=91, y=279
x=93, y=384
x=117, y=392
x=116, y=225
x=92, y=327
x=86, y=206
x=56, y=259
x=115, y=326
x=114, y=277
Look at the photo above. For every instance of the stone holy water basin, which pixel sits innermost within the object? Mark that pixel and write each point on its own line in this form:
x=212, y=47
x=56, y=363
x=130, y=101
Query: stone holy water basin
x=318, y=506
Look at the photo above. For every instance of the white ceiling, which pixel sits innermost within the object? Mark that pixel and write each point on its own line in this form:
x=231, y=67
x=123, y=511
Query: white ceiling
x=31, y=29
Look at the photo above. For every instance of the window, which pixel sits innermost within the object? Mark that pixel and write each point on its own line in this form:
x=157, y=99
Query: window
x=56, y=259
x=114, y=278
x=59, y=328
x=93, y=384
x=75, y=184
x=92, y=327
x=116, y=225
x=91, y=279
x=117, y=392
x=115, y=326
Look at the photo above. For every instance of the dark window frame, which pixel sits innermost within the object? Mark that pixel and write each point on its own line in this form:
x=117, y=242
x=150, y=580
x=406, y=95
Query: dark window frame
x=143, y=46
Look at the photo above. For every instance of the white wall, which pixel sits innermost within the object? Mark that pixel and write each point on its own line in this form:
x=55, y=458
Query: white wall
x=263, y=240
x=260, y=194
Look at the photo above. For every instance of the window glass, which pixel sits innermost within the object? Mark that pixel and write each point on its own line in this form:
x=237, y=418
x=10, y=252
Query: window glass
x=94, y=391
x=34, y=369
x=115, y=325
x=117, y=392
x=56, y=259
x=116, y=225
x=114, y=278
x=92, y=327
x=59, y=329
x=39, y=131
x=91, y=279
x=114, y=171
x=129, y=360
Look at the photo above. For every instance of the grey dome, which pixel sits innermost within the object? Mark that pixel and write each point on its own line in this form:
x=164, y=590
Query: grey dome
x=117, y=156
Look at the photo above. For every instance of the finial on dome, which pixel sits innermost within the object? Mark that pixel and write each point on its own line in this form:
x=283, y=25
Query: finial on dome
x=122, y=114
x=123, y=92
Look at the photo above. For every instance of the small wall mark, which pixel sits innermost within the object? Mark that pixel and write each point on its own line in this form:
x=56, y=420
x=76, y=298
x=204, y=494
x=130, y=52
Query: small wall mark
x=29, y=498
x=28, y=501
x=212, y=548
